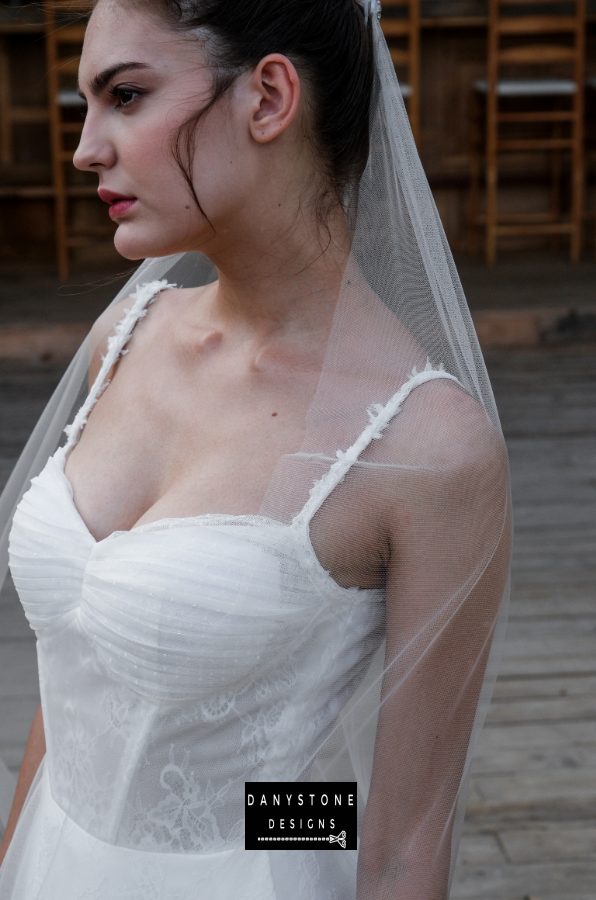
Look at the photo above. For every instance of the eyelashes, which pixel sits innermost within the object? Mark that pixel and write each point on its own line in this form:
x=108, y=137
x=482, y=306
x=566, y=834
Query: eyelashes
x=123, y=96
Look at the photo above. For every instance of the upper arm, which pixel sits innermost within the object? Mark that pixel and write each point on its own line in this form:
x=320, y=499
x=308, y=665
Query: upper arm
x=450, y=539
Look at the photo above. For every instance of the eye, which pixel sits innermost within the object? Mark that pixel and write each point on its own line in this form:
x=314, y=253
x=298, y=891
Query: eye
x=123, y=96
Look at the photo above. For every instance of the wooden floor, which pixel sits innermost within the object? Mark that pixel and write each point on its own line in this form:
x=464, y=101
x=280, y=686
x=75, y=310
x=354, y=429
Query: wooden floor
x=531, y=822
x=34, y=294
x=531, y=819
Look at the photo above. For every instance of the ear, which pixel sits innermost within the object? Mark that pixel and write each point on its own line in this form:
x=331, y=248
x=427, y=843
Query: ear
x=276, y=88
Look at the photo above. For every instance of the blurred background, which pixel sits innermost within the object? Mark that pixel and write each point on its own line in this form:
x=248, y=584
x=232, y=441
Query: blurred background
x=501, y=96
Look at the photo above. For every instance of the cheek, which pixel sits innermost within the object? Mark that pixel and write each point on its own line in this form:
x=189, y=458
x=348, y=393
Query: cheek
x=146, y=154
x=221, y=171
x=167, y=220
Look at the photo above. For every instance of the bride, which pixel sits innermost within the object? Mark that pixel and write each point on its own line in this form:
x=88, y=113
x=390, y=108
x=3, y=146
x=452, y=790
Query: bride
x=275, y=544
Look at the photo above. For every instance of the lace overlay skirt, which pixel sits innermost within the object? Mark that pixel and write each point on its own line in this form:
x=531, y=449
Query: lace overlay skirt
x=52, y=858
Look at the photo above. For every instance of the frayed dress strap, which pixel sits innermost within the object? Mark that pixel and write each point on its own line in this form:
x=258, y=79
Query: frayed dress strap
x=379, y=417
x=142, y=297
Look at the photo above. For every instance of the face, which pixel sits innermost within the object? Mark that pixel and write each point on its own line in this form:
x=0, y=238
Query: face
x=142, y=82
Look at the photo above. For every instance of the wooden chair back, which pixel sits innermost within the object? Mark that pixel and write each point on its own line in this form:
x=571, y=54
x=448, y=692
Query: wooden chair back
x=536, y=41
x=400, y=22
x=532, y=35
x=65, y=24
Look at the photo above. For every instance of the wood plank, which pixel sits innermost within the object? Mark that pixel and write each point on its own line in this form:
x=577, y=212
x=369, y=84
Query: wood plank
x=453, y=22
x=72, y=34
x=531, y=144
x=480, y=849
x=538, y=25
x=546, y=229
x=512, y=761
x=534, y=793
x=12, y=756
x=69, y=66
x=553, y=709
x=547, y=629
x=552, y=688
x=29, y=114
x=548, y=665
x=21, y=28
x=16, y=716
x=551, y=601
x=553, y=842
x=27, y=192
x=395, y=27
x=552, y=115
x=536, y=53
x=13, y=626
x=399, y=57
x=550, y=881
x=18, y=669
x=574, y=511
x=525, y=736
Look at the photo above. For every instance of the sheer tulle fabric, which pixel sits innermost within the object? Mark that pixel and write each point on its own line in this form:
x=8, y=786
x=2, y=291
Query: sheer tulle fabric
x=182, y=658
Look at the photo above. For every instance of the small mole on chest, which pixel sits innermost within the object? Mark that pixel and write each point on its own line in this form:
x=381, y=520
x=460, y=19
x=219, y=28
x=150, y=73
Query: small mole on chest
x=273, y=414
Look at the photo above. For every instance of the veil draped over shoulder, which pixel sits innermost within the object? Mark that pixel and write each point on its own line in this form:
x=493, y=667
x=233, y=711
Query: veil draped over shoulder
x=435, y=455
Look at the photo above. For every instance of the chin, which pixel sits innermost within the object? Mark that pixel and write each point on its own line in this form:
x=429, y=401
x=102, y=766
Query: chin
x=134, y=243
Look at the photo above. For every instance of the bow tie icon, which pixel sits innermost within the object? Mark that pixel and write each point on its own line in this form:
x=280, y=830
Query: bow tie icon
x=339, y=839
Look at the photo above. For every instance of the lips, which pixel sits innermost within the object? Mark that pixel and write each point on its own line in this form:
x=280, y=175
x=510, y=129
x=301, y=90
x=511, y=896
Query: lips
x=119, y=203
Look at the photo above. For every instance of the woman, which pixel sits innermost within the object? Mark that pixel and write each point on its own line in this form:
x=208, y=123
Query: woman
x=275, y=544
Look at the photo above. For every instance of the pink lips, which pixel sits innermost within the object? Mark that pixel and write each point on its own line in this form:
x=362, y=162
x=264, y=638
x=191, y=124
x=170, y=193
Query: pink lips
x=119, y=204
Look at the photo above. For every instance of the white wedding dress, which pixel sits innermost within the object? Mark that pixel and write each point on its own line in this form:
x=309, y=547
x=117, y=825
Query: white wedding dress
x=177, y=661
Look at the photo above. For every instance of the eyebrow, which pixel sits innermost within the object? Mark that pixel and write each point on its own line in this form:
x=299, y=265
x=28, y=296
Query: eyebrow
x=100, y=82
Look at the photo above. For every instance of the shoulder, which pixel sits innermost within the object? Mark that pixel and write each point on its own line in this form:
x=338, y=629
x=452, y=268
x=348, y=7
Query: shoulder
x=170, y=301
x=441, y=455
x=444, y=427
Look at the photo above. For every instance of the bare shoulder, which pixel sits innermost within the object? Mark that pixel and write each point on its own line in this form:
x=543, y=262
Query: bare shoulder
x=455, y=428
x=449, y=428
x=167, y=304
x=445, y=431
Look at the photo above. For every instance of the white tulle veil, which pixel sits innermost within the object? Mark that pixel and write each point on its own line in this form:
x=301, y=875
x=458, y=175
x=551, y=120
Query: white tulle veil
x=401, y=308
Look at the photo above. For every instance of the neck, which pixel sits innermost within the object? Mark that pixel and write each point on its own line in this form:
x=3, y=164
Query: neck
x=283, y=275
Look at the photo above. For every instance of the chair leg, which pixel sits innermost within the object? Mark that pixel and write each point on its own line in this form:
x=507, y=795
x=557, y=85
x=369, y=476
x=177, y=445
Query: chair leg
x=5, y=112
x=555, y=172
x=474, y=203
x=61, y=245
x=60, y=216
x=491, y=202
x=492, y=134
x=491, y=212
x=577, y=187
x=475, y=163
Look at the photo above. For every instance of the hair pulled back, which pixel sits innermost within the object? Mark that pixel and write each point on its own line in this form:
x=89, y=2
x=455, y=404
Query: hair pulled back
x=328, y=42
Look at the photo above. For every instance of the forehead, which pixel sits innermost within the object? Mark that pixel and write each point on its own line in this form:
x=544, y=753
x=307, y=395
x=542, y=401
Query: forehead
x=116, y=33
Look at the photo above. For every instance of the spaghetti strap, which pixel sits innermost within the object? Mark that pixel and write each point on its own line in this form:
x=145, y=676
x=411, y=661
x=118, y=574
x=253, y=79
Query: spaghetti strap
x=143, y=296
x=379, y=417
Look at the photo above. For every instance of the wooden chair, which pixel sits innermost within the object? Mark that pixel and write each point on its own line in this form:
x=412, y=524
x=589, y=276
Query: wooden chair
x=401, y=26
x=590, y=136
x=11, y=113
x=65, y=23
x=531, y=102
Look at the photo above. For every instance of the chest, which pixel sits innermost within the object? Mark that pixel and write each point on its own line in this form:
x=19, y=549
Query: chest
x=186, y=430
x=170, y=439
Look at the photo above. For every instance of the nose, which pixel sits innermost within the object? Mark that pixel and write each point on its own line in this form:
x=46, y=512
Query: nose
x=95, y=151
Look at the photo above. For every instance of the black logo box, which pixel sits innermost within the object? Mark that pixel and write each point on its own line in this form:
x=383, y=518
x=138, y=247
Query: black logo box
x=290, y=815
